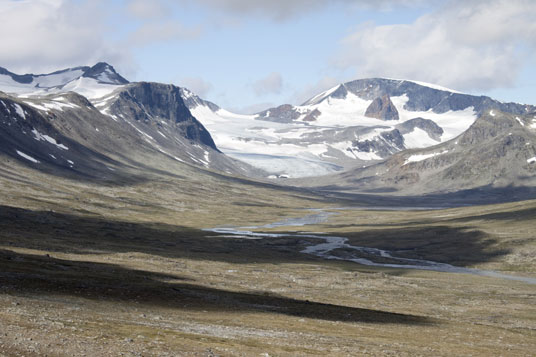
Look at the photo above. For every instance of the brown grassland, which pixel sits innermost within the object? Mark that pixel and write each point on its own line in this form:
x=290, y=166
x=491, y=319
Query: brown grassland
x=92, y=270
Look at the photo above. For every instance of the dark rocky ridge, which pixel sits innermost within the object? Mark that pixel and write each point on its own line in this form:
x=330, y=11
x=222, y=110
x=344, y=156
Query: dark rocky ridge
x=432, y=129
x=97, y=70
x=191, y=100
x=423, y=98
x=144, y=101
x=285, y=113
x=28, y=78
x=393, y=137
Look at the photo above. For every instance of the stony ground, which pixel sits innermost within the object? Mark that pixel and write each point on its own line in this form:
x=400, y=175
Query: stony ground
x=96, y=270
x=98, y=287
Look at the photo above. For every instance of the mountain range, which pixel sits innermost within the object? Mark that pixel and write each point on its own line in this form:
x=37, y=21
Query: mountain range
x=370, y=135
x=90, y=121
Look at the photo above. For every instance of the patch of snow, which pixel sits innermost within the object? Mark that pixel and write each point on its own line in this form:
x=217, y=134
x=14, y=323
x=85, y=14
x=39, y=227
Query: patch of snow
x=105, y=76
x=187, y=94
x=52, y=156
x=70, y=162
x=162, y=134
x=418, y=138
x=27, y=157
x=319, y=97
x=90, y=88
x=433, y=86
x=141, y=132
x=46, y=106
x=366, y=155
x=107, y=113
x=421, y=157
x=37, y=106
x=42, y=137
x=59, y=105
x=54, y=80
x=520, y=122
x=531, y=160
x=492, y=113
x=19, y=111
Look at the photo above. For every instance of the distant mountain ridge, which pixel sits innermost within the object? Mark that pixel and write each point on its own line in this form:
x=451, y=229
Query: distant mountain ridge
x=102, y=72
x=92, y=122
x=378, y=134
x=497, y=151
x=352, y=124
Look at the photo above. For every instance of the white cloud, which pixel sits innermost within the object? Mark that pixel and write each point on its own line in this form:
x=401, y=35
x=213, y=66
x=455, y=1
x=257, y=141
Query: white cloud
x=281, y=10
x=271, y=84
x=197, y=85
x=144, y=9
x=45, y=35
x=465, y=45
x=154, y=32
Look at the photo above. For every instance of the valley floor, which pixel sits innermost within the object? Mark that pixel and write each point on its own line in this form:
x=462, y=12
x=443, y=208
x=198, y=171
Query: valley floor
x=104, y=279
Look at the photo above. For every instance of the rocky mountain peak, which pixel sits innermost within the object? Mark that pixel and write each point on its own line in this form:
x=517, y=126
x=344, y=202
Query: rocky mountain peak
x=382, y=108
x=104, y=73
x=146, y=102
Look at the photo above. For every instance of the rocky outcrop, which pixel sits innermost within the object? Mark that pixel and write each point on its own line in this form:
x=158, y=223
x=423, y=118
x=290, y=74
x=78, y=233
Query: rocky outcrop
x=311, y=116
x=285, y=113
x=146, y=101
x=382, y=108
x=104, y=73
x=430, y=127
x=384, y=145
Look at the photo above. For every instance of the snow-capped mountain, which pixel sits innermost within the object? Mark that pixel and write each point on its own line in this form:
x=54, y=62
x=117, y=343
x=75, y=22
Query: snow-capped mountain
x=353, y=124
x=91, y=82
x=90, y=121
x=497, y=152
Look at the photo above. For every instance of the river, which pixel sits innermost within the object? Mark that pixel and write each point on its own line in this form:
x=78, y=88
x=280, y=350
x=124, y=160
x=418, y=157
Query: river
x=330, y=243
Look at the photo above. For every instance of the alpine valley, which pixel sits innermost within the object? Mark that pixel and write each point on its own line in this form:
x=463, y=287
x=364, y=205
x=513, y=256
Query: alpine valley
x=380, y=217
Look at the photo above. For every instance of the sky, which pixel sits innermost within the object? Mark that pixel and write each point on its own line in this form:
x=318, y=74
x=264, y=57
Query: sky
x=249, y=55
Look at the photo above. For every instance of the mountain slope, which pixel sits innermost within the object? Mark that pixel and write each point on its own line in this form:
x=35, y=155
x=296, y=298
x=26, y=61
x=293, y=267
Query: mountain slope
x=132, y=126
x=497, y=151
x=91, y=82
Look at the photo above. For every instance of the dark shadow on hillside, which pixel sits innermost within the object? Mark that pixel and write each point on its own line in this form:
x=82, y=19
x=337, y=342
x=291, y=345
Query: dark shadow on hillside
x=523, y=214
x=459, y=246
x=514, y=215
x=26, y=274
x=55, y=232
x=466, y=197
